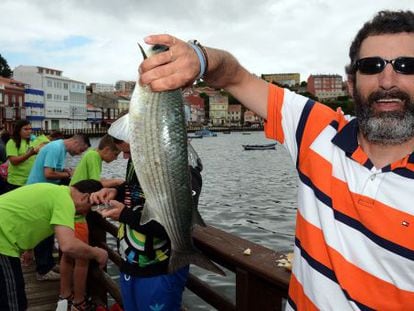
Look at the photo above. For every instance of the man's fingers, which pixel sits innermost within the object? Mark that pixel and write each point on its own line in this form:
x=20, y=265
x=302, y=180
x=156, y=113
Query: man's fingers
x=164, y=39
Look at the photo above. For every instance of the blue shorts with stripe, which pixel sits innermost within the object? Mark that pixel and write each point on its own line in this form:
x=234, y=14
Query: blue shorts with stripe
x=162, y=292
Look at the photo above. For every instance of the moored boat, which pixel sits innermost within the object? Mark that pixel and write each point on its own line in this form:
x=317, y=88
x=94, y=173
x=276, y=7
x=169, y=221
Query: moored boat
x=192, y=136
x=205, y=133
x=271, y=146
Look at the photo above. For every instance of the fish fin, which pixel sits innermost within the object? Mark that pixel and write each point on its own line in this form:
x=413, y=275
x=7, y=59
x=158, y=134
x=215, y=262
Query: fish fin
x=197, y=219
x=120, y=128
x=144, y=55
x=181, y=259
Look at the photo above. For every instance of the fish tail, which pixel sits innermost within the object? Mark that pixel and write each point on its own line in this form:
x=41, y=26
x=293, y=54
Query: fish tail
x=181, y=259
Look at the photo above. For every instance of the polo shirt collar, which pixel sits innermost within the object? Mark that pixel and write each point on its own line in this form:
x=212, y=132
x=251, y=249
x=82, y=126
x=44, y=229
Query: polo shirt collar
x=347, y=140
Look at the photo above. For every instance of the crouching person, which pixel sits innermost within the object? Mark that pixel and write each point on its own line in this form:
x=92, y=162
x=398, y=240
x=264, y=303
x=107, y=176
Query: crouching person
x=28, y=215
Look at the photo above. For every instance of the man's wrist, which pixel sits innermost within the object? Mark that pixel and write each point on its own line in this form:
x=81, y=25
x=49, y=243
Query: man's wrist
x=202, y=57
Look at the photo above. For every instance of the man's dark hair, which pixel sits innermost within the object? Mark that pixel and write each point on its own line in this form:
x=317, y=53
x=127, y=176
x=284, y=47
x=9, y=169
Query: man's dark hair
x=385, y=22
x=82, y=138
x=88, y=186
x=107, y=141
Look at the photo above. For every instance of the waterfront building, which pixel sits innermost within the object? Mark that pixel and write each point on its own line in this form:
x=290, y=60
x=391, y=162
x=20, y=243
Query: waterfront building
x=34, y=102
x=325, y=86
x=101, y=88
x=219, y=106
x=11, y=102
x=94, y=116
x=283, y=79
x=197, y=111
x=252, y=119
x=64, y=98
x=123, y=103
x=109, y=105
x=124, y=87
x=234, y=115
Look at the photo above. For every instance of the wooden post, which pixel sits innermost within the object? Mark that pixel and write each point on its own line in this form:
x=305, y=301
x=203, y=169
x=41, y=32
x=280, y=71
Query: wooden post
x=253, y=293
x=97, y=236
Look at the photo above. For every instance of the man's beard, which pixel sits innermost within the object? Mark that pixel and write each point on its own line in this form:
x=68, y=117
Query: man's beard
x=385, y=127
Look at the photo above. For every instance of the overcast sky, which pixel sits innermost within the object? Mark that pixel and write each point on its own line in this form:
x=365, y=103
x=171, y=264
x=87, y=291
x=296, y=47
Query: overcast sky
x=96, y=40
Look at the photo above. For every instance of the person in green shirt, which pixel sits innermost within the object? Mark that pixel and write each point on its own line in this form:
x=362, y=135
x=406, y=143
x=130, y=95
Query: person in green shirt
x=43, y=139
x=27, y=216
x=89, y=167
x=21, y=155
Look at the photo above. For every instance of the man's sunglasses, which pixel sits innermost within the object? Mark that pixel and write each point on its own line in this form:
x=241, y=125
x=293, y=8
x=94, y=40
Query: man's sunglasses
x=374, y=65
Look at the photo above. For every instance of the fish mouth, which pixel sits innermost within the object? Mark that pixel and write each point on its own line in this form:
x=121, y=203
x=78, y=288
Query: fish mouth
x=144, y=55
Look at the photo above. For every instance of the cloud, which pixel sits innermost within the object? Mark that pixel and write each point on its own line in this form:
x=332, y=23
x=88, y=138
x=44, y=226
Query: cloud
x=96, y=41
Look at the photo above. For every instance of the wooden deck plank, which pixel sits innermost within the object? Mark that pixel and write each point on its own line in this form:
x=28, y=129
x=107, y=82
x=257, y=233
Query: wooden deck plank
x=41, y=296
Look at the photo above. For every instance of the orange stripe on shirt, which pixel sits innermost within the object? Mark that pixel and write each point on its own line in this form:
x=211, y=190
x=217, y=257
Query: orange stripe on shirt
x=312, y=241
x=273, y=124
x=410, y=166
x=297, y=294
x=319, y=170
x=381, y=219
x=359, y=155
x=319, y=118
x=400, y=163
x=360, y=285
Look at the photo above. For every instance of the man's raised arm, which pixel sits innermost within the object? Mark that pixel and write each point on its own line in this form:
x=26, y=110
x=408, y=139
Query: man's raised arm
x=180, y=66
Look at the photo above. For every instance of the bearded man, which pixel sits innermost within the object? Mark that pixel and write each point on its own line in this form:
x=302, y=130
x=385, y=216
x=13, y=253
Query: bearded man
x=354, y=245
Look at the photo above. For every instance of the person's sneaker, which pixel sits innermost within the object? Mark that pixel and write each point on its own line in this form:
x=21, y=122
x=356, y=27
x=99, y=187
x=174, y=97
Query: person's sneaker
x=56, y=268
x=64, y=303
x=50, y=276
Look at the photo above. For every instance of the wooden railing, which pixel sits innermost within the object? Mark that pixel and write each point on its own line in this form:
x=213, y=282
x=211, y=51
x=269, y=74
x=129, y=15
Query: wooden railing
x=260, y=283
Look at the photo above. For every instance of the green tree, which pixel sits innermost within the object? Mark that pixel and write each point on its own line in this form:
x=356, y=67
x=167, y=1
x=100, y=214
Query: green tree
x=5, y=70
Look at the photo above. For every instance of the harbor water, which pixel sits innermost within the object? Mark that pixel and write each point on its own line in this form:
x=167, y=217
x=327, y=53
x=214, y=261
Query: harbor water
x=251, y=194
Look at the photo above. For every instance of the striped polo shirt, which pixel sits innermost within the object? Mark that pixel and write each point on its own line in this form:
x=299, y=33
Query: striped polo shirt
x=354, y=239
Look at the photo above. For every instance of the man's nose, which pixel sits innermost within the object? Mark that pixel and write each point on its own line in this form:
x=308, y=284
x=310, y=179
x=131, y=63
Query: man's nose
x=388, y=78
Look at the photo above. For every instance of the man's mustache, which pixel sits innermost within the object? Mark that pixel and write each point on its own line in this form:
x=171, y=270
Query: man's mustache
x=394, y=94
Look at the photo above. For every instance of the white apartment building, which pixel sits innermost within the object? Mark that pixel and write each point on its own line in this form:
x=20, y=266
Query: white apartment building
x=102, y=88
x=64, y=98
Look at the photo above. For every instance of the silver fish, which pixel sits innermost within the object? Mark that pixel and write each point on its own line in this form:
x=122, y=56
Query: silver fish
x=101, y=207
x=158, y=142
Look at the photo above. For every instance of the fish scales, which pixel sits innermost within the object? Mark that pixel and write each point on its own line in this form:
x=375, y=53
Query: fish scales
x=166, y=175
x=158, y=140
